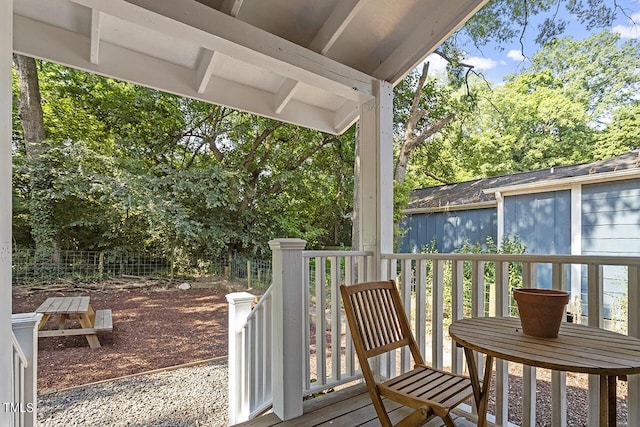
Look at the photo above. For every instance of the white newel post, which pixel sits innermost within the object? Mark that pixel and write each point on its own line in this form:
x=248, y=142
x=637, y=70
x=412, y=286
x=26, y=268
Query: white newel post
x=25, y=329
x=239, y=309
x=6, y=50
x=287, y=342
x=376, y=176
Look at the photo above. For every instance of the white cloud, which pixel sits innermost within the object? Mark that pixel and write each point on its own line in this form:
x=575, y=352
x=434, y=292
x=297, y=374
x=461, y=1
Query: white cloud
x=437, y=65
x=481, y=64
x=631, y=31
x=516, y=55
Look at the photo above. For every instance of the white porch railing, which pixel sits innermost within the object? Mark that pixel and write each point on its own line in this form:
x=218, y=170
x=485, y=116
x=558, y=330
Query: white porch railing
x=24, y=342
x=324, y=330
x=20, y=365
x=440, y=288
x=331, y=360
x=437, y=289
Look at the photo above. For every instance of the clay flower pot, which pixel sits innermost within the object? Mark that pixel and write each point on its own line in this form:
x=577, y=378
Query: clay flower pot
x=541, y=310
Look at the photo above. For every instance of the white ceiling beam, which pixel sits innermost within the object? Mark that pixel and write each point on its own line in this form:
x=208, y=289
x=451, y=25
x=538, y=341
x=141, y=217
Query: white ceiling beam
x=284, y=94
x=95, y=36
x=414, y=49
x=232, y=7
x=208, y=61
x=50, y=43
x=216, y=31
x=340, y=18
x=347, y=115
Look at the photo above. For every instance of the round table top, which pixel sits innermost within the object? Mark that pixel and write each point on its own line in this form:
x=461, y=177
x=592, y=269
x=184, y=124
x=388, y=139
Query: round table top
x=578, y=348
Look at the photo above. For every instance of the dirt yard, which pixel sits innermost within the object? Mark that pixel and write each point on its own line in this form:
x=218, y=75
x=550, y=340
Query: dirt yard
x=156, y=325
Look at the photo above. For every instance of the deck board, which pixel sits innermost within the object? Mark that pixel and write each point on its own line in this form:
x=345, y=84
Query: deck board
x=345, y=408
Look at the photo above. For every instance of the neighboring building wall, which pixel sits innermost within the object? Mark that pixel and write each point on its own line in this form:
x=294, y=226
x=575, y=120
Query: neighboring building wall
x=611, y=226
x=449, y=230
x=542, y=223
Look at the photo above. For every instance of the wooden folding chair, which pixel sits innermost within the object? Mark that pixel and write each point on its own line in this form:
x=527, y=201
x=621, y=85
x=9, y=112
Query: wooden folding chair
x=379, y=325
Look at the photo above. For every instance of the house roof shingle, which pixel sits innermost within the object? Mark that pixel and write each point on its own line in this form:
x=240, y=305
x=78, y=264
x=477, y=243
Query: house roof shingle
x=471, y=192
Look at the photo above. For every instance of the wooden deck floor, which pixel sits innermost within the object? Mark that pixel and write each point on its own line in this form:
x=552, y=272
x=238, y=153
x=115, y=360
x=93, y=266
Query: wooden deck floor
x=346, y=408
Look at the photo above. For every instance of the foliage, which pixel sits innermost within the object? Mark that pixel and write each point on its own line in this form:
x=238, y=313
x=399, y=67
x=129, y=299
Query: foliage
x=510, y=245
x=131, y=168
x=528, y=124
x=502, y=21
x=599, y=72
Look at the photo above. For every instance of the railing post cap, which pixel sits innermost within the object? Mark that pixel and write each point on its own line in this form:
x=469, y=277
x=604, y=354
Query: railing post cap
x=288, y=244
x=25, y=320
x=240, y=297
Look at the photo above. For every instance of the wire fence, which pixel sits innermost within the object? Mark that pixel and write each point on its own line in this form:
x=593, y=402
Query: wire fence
x=38, y=266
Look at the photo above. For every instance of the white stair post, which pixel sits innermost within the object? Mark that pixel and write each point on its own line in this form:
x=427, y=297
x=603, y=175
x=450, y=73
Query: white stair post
x=239, y=309
x=25, y=329
x=287, y=352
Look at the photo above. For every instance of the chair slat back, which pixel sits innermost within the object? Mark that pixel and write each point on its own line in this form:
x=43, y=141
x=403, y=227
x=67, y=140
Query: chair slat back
x=377, y=320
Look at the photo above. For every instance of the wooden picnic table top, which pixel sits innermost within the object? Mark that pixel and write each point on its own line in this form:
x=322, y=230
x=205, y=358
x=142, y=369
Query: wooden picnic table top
x=64, y=305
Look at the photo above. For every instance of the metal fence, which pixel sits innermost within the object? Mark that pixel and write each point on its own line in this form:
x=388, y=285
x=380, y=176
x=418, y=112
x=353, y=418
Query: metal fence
x=37, y=266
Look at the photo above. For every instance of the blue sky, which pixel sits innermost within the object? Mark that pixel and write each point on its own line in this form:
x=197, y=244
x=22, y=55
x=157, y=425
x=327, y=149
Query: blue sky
x=495, y=63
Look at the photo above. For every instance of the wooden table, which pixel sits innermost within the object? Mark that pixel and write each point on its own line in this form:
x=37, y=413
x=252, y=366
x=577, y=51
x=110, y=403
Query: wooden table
x=65, y=308
x=578, y=348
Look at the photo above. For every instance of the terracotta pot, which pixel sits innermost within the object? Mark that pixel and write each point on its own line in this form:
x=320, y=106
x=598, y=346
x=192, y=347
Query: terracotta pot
x=541, y=310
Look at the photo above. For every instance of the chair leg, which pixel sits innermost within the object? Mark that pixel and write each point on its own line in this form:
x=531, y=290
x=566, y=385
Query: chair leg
x=448, y=421
x=380, y=410
x=416, y=418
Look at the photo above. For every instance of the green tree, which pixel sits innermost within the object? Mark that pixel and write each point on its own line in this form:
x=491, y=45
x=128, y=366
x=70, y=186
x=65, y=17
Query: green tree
x=136, y=169
x=601, y=72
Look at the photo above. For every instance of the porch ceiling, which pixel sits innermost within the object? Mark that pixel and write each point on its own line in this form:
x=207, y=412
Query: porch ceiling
x=307, y=62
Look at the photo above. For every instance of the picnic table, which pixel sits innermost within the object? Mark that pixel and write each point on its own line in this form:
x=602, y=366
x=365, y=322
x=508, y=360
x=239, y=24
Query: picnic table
x=66, y=308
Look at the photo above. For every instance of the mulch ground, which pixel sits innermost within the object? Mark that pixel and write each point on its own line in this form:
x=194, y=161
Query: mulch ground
x=156, y=325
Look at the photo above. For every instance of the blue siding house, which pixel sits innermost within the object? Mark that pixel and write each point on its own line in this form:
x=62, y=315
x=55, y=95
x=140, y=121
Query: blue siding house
x=585, y=209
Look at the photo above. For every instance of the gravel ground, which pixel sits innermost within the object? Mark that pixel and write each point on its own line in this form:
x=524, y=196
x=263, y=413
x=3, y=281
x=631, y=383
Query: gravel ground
x=193, y=396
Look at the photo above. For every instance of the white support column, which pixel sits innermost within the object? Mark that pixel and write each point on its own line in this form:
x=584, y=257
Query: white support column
x=376, y=176
x=287, y=324
x=6, y=50
x=239, y=309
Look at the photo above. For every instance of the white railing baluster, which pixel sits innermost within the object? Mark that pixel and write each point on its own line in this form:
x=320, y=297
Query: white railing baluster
x=421, y=302
x=477, y=304
x=405, y=292
x=350, y=267
x=336, y=322
x=437, y=314
x=529, y=275
x=321, y=324
x=559, y=379
x=457, y=310
x=307, y=315
x=529, y=280
x=594, y=311
x=501, y=289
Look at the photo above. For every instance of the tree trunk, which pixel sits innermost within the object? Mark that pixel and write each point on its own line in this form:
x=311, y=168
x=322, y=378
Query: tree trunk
x=30, y=109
